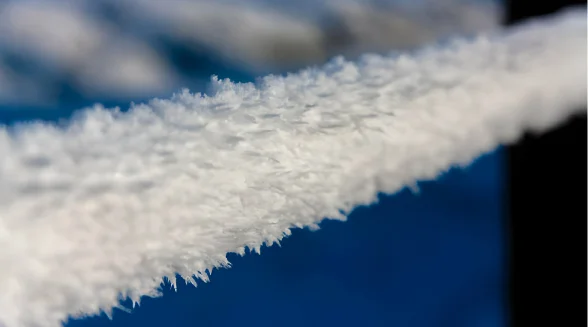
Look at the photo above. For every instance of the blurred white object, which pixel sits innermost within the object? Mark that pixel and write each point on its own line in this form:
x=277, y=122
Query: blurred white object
x=99, y=56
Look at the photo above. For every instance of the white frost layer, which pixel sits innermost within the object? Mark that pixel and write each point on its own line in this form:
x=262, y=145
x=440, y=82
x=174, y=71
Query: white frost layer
x=111, y=202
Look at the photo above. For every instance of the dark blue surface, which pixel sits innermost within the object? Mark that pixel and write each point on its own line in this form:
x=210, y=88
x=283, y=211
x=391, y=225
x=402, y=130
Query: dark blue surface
x=433, y=259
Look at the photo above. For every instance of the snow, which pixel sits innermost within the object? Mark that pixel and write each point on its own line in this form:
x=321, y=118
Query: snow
x=107, y=205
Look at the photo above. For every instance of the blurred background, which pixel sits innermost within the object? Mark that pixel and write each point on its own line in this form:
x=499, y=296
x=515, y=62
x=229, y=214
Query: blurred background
x=436, y=258
x=58, y=54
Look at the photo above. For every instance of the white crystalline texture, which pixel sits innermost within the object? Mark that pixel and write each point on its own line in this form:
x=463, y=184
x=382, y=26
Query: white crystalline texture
x=110, y=203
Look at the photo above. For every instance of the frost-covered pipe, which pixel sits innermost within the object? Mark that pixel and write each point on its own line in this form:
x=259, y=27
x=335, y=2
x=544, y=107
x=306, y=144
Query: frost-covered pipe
x=111, y=202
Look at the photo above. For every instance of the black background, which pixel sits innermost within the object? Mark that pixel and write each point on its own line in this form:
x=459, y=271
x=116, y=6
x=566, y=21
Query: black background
x=547, y=218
